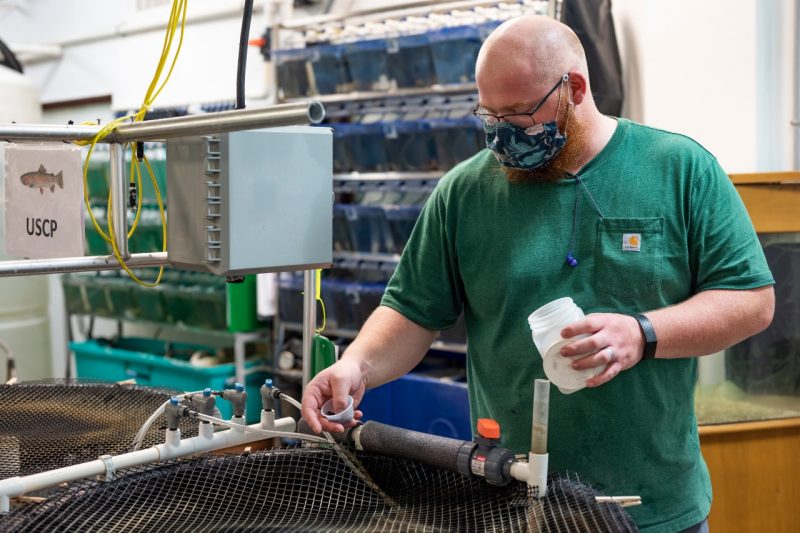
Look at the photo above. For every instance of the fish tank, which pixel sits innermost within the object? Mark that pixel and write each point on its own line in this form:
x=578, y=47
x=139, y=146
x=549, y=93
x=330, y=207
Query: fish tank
x=759, y=378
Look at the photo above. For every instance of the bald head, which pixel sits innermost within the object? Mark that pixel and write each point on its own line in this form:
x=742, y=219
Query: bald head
x=531, y=47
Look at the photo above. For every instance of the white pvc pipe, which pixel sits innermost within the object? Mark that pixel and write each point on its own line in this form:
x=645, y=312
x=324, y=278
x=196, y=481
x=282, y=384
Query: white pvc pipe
x=533, y=472
x=172, y=449
x=541, y=413
x=520, y=471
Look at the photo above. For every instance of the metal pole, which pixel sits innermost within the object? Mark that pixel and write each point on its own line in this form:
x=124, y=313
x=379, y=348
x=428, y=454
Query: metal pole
x=240, y=119
x=119, y=207
x=309, y=320
x=79, y=264
x=47, y=132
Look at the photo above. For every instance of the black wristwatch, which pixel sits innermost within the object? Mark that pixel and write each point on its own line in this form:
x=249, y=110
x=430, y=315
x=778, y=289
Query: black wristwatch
x=650, y=339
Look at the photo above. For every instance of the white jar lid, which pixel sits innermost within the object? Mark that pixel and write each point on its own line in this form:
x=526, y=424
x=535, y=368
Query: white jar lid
x=559, y=369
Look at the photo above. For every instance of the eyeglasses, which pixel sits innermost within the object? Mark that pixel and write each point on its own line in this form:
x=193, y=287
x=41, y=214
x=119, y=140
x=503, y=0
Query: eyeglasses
x=524, y=120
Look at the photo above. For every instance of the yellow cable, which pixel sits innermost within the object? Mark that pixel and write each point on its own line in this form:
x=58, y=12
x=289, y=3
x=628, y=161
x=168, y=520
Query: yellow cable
x=101, y=134
x=321, y=303
x=324, y=319
x=114, y=246
x=177, y=17
x=177, y=51
x=160, y=204
x=168, y=36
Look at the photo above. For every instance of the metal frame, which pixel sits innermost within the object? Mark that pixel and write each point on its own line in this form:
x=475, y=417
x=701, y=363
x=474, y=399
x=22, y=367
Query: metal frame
x=280, y=115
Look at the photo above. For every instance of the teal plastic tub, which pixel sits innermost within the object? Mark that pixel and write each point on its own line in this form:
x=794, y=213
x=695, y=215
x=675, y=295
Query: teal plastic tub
x=161, y=364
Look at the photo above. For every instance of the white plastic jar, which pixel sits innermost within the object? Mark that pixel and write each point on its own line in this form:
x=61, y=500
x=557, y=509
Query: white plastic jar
x=546, y=324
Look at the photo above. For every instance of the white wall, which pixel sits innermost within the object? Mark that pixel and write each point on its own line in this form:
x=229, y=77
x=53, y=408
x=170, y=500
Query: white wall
x=719, y=71
x=123, y=66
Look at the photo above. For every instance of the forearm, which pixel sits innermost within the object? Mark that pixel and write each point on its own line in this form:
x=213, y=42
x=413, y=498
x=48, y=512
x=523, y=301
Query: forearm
x=388, y=346
x=711, y=321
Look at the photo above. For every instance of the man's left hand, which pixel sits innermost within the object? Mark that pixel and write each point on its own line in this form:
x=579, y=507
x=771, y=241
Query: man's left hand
x=615, y=342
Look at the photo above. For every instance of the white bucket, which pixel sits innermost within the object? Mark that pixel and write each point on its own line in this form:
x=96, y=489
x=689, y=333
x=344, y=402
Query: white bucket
x=24, y=306
x=546, y=324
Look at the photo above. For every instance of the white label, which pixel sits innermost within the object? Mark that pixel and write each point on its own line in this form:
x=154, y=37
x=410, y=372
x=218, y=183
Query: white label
x=43, y=201
x=478, y=465
x=631, y=242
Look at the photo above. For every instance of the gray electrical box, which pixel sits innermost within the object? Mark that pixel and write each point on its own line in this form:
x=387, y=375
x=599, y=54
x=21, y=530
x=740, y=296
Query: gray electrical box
x=251, y=201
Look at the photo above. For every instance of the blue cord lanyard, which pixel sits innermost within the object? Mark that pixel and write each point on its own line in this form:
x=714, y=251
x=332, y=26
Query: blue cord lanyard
x=573, y=240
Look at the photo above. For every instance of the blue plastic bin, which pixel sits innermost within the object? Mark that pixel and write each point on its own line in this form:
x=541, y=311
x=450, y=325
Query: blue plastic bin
x=342, y=241
x=367, y=227
x=337, y=303
x=292, y=74
x=421, y=403
x=401, y=220
x=410, y=145
x=145, y=361
x=364, y=299
x=330, y=70
x=359, y=148
x=343, y=147
x=454, y=51
x=367, y=64
x=456, y=139
x=409, y=61
x=370, y=153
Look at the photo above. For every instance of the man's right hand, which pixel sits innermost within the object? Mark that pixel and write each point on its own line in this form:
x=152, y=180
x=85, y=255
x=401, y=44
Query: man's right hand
x=338, y=381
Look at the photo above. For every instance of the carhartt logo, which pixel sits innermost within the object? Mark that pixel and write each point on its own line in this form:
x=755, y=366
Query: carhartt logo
x=631, y=242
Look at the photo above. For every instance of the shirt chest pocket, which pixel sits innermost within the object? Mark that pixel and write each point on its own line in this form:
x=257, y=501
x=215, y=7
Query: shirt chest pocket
x=629, y=255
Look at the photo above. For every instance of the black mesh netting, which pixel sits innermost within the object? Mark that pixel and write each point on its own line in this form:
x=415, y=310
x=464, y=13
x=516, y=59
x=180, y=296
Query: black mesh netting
x=50, y=424
x=312, y=489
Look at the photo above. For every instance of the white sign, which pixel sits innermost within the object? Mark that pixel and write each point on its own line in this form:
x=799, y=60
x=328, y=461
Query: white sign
x=43, y=201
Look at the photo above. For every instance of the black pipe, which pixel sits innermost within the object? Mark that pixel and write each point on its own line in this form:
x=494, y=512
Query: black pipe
x=400, y=443
x=439, y=452
x=244, y=36
x=469, y=458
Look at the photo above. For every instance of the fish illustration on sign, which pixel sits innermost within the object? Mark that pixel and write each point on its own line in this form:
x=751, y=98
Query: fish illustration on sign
x=41, y=179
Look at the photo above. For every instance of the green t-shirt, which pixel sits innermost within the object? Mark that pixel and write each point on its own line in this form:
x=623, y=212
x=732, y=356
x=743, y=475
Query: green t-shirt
x=496, y=251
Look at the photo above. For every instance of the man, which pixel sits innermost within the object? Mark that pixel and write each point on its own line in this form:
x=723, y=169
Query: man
x=625, y=219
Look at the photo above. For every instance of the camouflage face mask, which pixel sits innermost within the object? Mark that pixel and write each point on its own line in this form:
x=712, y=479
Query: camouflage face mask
x=525, y=148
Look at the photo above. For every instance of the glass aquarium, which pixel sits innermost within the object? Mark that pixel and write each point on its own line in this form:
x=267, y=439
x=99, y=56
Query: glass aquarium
x=759, y=378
